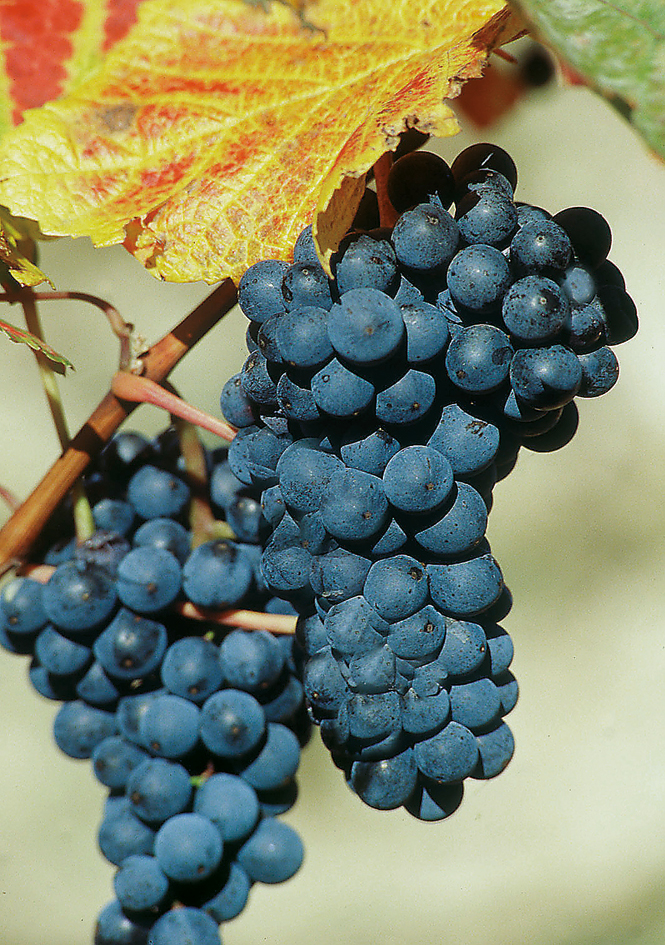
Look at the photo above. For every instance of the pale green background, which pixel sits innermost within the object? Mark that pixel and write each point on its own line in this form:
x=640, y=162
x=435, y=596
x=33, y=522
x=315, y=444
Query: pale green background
x=568, y=845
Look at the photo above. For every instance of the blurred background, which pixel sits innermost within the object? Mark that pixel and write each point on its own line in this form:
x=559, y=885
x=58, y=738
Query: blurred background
x=567, y=846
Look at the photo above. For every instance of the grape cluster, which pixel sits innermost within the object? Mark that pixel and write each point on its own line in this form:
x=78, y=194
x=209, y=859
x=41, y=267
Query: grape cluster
x=197, y=738
x=376, y=411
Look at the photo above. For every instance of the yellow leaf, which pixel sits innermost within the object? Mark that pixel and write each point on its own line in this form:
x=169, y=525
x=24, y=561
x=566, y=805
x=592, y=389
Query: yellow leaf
x=216, y=130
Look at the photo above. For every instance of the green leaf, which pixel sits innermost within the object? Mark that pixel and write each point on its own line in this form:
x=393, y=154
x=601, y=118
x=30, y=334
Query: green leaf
x=618, y=46
x=21, y=336
x=17, y=251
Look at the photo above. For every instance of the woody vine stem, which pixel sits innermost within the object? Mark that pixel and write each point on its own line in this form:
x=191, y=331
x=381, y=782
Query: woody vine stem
x=26, y=523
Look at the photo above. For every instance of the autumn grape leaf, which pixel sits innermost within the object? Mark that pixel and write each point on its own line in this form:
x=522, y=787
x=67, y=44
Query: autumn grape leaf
x=20, y=335
x=618, y=46
x=46, y=48
x=215, y=130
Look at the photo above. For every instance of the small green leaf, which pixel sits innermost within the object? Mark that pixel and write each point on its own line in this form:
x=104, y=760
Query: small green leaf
x=17, y=251
x=21, y=336
x=618, y=46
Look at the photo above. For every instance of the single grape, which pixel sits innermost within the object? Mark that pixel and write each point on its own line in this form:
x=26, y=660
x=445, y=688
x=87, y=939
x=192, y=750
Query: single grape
x=535, y=309
x=417, y=479
x=188, y=847
x=158, y=789
x=167, y=534
x=302, y=337
x=418, y=636
x=600, y=372
x=230, y=803
x=273, y=853
x=486, y=216
x=58, y=654
x=353, y=627
x=251, y=660
x=76, y=598
x=191, y=669
x=495, y=749
x=448, y=756
x=232, y=897
x=354, y=505
x=170, y=726
x=478, y=359
x=277, y=761
x=465, y=588
x=186, y=926
x=235, y=405
x=131, y=646
x=306, y=284
x=425, y=238
x=478, y=278
x=459, y=528
x=113, y=760
x=157, y=493
x=545, y=378
x=385, y=784
x=339, y=392
x=366, y=326
x=396, y=587
x=540, y=247
x=367, y=263
x=78, y=728
x=122, y=834
x=232, y=723
x=407, y=400
x=588, y=231
x=259, y=289
x=140, y=884
x=419, y=177
x=484, y=155
x=149, y=579
x=217, y=574
x=114, y=927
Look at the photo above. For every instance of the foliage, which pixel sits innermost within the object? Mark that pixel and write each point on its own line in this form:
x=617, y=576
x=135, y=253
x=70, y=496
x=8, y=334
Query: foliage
x=618, y=47
x=216, y=130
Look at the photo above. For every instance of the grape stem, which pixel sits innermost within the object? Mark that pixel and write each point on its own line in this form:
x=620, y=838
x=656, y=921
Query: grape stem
x=245, y=619
x=130, y=345
x=387, y=214
x=10, y=500
x=83, y=521
x=203, y=525
x=142, y=390
x=26, y=523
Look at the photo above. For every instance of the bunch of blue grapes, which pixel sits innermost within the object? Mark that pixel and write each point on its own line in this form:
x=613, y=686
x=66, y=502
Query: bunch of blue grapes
x=376, y=411
x=196, y=734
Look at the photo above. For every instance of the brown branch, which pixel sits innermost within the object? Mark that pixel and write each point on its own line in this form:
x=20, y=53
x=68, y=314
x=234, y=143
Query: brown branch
x=388, y=216
x=25, y=525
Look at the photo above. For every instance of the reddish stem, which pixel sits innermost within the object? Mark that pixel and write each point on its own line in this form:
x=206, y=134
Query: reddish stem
x=27, y=522
x=121, y=328
x=141, y=390
x=245, y=619
x=9, y=499
x=388, y=216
